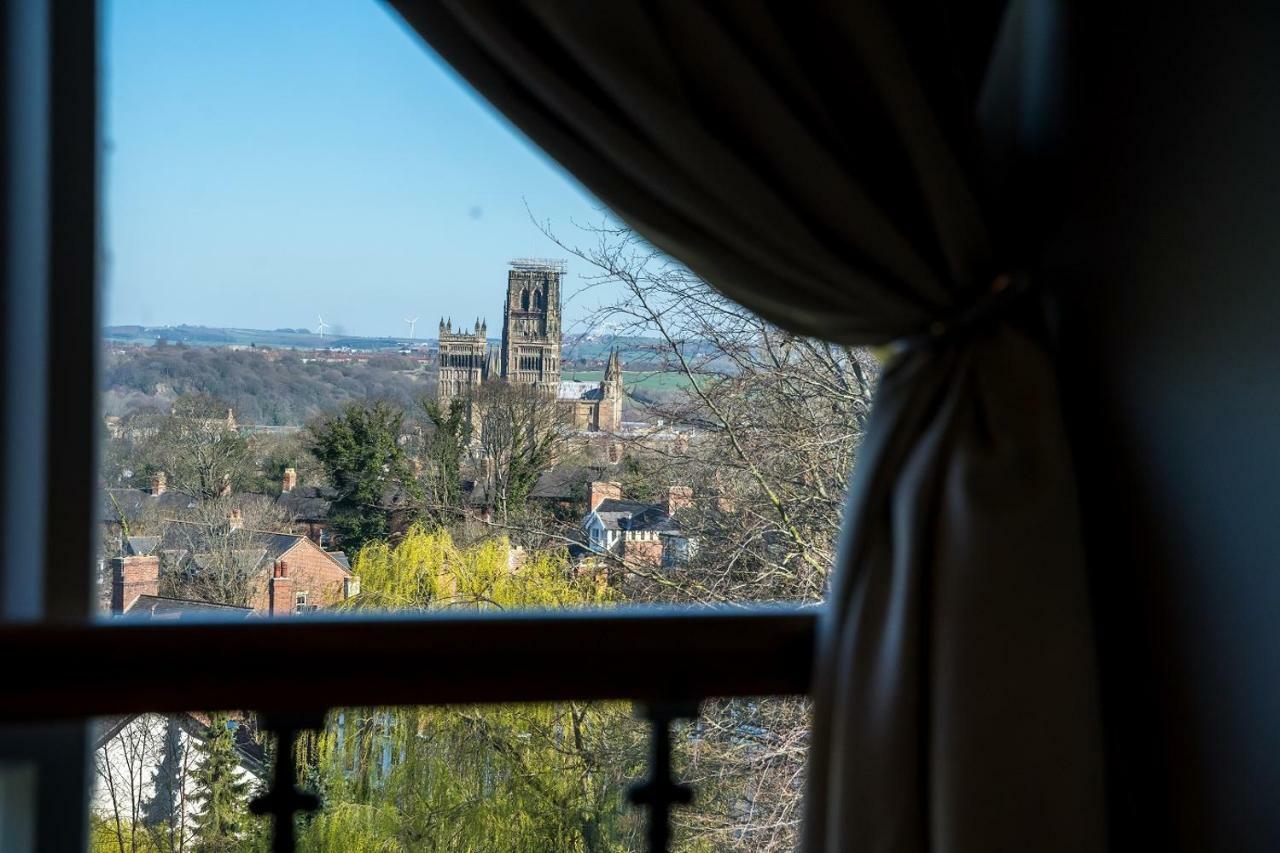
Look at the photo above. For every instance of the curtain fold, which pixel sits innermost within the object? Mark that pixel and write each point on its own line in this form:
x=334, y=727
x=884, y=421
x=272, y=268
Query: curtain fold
x=824, y=165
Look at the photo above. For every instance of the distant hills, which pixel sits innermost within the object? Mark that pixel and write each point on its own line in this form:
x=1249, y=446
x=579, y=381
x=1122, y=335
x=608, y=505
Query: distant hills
x=576, y=347
x=218, y=336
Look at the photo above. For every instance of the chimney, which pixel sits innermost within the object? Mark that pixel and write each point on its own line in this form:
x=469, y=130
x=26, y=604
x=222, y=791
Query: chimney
x=132, y=577
x=290, y=480
x=225, y=491
x=601, y=492
x=678, y=497
x=235, y=521
x=159, y=482
x=282, y=601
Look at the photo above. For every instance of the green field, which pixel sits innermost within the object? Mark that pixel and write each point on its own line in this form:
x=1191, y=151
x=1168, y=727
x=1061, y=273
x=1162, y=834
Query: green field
x=637, y=379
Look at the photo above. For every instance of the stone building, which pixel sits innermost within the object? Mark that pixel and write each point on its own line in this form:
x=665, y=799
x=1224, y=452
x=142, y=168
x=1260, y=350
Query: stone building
x=529, y=353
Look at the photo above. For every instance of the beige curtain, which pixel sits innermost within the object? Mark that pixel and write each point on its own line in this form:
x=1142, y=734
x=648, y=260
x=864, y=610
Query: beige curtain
x=855, y=170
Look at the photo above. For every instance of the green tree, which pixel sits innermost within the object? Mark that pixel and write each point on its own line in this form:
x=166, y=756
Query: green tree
x=511, y=778
x=361, y=452
x=220, y=791
x=444, y=447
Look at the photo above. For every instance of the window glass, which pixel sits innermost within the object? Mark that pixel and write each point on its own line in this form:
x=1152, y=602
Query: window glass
x=365, y=349
x=513, y=777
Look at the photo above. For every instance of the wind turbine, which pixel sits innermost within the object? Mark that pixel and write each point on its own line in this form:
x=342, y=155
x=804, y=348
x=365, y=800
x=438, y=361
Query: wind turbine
x=411, y=323
x=323, y=325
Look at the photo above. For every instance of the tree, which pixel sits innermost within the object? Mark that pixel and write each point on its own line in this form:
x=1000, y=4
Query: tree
x=765, y=428
x=198, y=446
x=213, y=552
x=447, y=437
x=273, y=453
x=520, y=778
x=521, y=433
x=362, y=455
x=221, y=792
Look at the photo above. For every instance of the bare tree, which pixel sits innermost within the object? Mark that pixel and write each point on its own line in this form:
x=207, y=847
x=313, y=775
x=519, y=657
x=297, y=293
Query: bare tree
x=521, y=430
x=199, y=447
x=765, y=427
x=216, y=551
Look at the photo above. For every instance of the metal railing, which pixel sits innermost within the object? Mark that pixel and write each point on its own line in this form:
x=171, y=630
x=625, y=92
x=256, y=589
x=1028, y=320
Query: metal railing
x=664, y=660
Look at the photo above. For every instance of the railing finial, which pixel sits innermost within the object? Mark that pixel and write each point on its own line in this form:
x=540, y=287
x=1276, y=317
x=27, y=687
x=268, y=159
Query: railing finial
x=284, y=799
x=660, y=791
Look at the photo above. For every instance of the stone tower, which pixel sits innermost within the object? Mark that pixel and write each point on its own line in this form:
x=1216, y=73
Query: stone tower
x=531, y=324
x=463, y=364
x=611, y=393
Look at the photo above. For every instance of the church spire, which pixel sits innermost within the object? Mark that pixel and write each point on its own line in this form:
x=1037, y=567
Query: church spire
x=613, y=370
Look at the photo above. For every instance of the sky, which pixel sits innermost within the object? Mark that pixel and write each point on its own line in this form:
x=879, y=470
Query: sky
x=270, y=162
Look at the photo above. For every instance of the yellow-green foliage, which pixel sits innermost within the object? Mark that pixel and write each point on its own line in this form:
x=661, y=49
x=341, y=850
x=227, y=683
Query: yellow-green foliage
x=511, y=778
x=427, y=570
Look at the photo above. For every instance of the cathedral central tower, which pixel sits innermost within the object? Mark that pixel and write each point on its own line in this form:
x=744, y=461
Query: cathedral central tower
x=531, y=324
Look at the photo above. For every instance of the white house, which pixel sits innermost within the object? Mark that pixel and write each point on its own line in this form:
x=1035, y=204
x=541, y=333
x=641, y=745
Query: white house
x=144, y=771
x=638, y=532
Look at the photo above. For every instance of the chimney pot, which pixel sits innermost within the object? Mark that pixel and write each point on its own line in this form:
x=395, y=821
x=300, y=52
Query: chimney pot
x=282, y=602
x=159, y=482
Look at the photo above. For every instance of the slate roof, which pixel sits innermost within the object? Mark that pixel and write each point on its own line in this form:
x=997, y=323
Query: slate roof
x=567, y=482
x=157, y=608
x=189, y=538
x=141, y=546
x=635, y=515
x=132, y=503
x=307, y=503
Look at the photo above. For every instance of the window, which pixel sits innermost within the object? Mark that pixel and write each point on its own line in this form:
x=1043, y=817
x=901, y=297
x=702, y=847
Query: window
x=217, y=339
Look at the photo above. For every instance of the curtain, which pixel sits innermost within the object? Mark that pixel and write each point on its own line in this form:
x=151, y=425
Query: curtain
x=858, y=171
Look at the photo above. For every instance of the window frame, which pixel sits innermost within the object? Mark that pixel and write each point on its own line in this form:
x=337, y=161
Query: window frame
x=52, y=139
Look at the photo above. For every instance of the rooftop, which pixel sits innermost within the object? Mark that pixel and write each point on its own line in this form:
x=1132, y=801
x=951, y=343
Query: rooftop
x=634, y=515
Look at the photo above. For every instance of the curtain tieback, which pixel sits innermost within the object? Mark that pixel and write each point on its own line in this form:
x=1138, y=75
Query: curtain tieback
x=1005, y=293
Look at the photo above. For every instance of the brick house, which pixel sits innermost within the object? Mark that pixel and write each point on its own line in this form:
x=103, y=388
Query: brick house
x=640, y=533
x=289, y=573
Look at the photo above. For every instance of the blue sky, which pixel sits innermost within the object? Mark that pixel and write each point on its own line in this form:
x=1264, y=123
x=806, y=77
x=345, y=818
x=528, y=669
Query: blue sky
x=270, y=161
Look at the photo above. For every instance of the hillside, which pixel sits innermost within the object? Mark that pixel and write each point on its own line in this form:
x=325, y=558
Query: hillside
x=268, y=387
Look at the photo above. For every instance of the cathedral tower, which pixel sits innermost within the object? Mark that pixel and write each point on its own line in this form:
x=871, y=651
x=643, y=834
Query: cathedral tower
x=531, y=324
x=462, y=364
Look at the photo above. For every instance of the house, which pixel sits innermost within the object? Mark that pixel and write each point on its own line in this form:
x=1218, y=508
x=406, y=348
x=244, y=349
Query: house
x=125, y=508
x=639, y=533
x=563, y=489
x=307, y=507
x=144, y=770
x=289, y=574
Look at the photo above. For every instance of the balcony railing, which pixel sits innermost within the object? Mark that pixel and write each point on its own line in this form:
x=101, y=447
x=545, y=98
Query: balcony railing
x=664, y=660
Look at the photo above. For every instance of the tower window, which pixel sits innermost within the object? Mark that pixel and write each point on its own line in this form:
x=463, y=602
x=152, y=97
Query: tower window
x=524, y=299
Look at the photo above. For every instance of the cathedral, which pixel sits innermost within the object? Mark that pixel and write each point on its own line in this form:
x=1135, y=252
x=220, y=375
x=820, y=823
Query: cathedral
x=530, y=351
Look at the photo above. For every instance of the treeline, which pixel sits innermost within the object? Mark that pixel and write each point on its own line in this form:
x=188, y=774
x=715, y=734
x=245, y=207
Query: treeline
x=263, y=386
